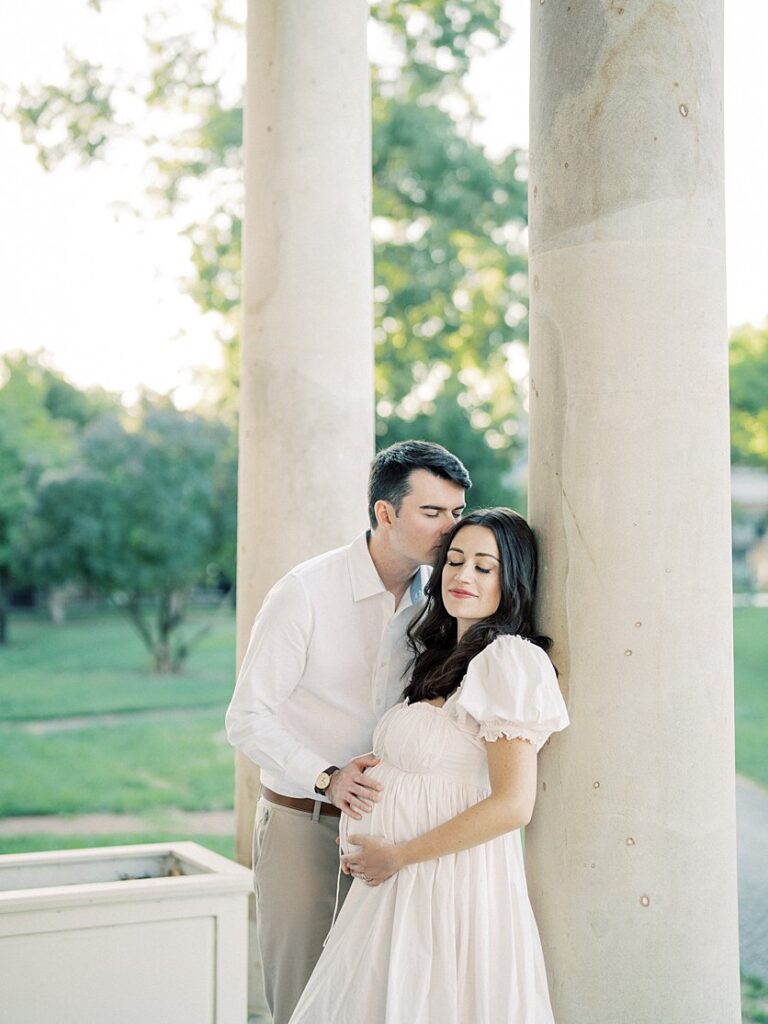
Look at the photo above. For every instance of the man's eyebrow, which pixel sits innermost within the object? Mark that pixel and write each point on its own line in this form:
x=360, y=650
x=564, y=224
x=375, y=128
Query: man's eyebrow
x=444, y=508
x=478, y=554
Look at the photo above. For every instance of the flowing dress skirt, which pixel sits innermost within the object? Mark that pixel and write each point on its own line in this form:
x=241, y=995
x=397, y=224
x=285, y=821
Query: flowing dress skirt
x=448, y=941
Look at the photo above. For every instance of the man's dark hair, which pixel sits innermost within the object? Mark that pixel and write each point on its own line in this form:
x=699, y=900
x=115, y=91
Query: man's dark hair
x=389, y=478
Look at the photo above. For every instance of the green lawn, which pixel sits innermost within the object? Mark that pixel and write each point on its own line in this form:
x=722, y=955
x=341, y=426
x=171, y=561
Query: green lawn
x=224, y=845
x=159, y=743
x=754, y=1001
x=175, y=753
x=96, y=663
x=181, y=760
x=751, y=660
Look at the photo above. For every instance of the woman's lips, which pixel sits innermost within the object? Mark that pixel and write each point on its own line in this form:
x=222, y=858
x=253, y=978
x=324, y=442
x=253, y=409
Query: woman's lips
x=460, y=593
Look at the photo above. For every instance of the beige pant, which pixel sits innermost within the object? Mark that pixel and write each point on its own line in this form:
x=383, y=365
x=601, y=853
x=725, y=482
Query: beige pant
x=295, y=868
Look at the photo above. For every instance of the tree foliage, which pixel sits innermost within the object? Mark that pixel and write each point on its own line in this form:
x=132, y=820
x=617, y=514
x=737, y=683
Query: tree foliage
x=449, y=222
x=40, y=414
x=749, y=395
x=137, y=516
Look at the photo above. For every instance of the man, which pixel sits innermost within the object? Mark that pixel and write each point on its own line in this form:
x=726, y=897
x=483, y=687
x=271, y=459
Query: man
x=326, y=659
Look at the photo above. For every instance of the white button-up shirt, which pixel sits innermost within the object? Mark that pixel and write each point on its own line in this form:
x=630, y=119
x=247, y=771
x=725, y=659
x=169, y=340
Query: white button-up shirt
x=326, y=658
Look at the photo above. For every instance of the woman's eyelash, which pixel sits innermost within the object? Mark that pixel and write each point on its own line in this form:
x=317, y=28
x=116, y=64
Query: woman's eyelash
x=454, y=564
x=482, y=570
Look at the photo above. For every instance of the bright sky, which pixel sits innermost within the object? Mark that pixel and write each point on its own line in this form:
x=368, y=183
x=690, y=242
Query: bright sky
x=99, y=291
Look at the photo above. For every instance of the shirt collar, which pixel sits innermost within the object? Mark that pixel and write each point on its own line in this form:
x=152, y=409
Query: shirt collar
x=416, y=589
x=366, y=581
x=362, y=572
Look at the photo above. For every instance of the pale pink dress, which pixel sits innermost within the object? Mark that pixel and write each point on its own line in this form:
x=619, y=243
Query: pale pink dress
x=453, y=940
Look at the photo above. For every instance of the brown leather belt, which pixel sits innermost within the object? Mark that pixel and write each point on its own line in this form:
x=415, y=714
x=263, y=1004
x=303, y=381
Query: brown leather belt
x=297, y=803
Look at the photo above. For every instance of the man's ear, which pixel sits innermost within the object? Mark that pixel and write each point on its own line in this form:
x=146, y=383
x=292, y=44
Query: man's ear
x=384, y=512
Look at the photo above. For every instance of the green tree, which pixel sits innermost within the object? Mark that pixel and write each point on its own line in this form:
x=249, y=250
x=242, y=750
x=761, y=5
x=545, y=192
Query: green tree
x=136, y=516
x=749, y=395
x=40, y=413
x=449, y=221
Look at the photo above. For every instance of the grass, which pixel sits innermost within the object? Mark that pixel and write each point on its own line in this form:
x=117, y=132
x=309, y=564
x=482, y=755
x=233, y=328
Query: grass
x=751, y=664
x=96, y=663
x=224, y=845
x=754, y=1001
x=174, y=755
x=182, y=760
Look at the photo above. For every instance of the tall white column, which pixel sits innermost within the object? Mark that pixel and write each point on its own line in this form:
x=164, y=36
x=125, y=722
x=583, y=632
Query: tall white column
x=631, y=853
x=306, y=407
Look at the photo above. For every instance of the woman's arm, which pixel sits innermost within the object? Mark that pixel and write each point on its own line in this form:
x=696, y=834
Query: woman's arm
x=512, y=772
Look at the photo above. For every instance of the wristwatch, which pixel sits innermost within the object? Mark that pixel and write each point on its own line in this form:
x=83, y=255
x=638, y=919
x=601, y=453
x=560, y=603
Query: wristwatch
x=323, y=780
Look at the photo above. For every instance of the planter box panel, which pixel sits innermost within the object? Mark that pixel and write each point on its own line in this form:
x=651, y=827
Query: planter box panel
x=153, y=934
x=124, y=974
x=98, y=913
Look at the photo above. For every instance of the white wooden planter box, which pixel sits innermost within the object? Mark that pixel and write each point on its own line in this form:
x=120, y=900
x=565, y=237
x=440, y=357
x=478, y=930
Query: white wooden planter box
x=153, y=934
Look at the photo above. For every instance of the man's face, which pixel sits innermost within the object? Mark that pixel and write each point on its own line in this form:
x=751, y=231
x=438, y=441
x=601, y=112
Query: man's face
x=426, y=514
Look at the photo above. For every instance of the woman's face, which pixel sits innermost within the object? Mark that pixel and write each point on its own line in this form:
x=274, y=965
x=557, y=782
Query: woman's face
x=471, y=585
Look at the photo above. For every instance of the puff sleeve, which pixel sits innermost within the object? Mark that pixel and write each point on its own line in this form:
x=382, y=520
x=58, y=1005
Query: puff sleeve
x=511, y=690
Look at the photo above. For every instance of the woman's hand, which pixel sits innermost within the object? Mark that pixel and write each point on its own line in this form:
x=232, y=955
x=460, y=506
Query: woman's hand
x=374, y=862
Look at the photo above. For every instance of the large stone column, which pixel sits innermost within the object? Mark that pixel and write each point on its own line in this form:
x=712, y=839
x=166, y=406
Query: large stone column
x=306, y=406
x=631, y=853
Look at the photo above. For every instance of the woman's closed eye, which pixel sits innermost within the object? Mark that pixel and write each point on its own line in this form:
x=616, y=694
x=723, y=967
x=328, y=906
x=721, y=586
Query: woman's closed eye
x=456, y=565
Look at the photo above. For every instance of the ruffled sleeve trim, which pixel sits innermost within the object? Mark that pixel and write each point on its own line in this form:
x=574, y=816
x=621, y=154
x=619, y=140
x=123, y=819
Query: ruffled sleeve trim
x=511, y=690
x=492, y=731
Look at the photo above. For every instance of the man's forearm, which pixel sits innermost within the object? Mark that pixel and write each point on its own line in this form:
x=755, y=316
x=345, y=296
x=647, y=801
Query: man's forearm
x=268, y=744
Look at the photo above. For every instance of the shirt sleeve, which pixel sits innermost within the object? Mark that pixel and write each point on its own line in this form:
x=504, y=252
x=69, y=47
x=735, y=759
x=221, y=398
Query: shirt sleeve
x=511, y=690
x=271, y=670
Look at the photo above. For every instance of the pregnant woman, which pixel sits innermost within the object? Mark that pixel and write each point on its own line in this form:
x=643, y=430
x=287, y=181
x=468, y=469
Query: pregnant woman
x=437, y=927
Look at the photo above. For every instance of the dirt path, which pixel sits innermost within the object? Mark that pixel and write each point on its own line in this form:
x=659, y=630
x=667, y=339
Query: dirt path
x=203, y=823
x=47, y=726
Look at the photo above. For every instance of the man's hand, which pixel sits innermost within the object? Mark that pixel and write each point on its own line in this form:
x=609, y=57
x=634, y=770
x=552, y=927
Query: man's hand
x=351, y=791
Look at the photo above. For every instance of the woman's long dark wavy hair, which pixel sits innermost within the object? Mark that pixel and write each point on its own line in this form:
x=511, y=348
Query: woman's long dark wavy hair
x=439, y=663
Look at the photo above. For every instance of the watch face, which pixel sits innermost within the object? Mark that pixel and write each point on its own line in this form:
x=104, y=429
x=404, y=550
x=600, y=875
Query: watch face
x=323, y=781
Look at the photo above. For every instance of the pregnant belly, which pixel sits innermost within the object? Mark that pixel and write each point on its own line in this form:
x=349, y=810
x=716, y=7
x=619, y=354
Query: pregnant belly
x=411, y=803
